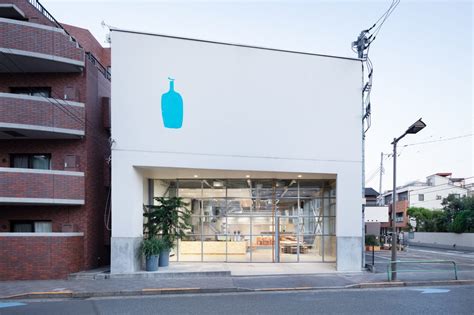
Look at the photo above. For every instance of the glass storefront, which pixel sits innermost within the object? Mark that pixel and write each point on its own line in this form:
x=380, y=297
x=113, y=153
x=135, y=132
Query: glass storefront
x=246, y=220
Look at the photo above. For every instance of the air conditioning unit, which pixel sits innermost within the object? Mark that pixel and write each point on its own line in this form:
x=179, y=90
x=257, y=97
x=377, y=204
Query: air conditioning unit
x=68, y=228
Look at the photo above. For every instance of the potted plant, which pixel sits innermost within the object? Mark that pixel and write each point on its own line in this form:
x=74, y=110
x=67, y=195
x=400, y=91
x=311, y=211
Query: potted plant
x=151, y=249
x=168, y=219
x=371, y=243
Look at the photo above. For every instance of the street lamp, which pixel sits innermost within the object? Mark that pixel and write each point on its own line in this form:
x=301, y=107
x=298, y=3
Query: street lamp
x=416, y=127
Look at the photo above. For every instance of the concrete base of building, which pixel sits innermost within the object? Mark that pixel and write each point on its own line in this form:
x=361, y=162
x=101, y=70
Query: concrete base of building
x=125, y=256
x=349, y=253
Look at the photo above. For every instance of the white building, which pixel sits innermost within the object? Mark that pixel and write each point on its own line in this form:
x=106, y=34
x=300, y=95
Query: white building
x=429, y=194
x=265, y=145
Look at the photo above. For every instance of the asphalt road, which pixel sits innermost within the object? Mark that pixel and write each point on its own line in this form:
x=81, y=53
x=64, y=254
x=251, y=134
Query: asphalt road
x=406, y=300
x=464, y=261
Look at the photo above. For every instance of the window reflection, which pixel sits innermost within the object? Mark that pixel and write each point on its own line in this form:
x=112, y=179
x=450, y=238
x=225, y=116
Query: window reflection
x=244, y=220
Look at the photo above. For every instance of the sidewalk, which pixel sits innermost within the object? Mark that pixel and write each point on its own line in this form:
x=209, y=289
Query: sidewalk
x=211, y=284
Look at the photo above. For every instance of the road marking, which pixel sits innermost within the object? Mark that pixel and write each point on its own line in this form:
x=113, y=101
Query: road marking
x=429, y=291
x=10, y=304
x=457, y=254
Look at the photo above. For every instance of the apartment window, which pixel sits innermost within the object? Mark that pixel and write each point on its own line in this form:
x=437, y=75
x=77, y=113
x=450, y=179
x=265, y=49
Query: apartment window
x=403, y=196
x=30, y=226
x=32, y=91
x=399, y=217
x=455, y=195
x=35, y=161
x=439, y=197
x=421, y=197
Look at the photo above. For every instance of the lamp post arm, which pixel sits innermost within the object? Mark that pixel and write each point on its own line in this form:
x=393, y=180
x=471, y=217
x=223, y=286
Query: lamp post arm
x=395, y=141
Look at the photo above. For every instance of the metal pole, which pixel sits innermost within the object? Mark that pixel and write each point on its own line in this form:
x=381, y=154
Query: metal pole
x=373, y=255
x=394, y=225
x=379, y=202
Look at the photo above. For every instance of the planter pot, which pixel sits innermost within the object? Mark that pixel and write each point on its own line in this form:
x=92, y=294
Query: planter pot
x=369, y=248
x=164, y=258
x=152, y=263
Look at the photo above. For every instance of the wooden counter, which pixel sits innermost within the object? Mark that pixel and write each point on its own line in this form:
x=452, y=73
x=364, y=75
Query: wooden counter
x=212, y=248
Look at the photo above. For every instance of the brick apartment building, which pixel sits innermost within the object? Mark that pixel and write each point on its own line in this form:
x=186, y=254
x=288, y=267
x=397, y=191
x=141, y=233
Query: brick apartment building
x=54, y=145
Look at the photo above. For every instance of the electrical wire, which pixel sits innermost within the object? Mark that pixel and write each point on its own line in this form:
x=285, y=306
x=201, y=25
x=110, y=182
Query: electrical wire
x=439, y=140
x=367, y=37
x=389, y=12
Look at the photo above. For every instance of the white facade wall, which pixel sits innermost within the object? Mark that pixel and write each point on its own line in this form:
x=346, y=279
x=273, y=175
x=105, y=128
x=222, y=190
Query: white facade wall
x=376, y=214
x=245, y=110
x=433, y=195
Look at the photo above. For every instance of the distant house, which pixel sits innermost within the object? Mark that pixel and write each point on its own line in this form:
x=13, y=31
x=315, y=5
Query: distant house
x=371, y=196
x=374, y=215
x=429, y=195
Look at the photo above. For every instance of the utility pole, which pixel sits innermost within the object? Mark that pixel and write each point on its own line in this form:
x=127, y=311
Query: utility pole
x=380, y=182
x=361, y=43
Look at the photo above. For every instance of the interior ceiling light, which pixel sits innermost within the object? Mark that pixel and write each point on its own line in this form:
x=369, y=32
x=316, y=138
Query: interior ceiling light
x=299, y=176
x=248, y=176
x=196, y=176
x=218, y=183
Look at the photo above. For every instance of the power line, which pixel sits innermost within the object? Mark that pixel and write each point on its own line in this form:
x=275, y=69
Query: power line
x=385, y=17
x=439, y=140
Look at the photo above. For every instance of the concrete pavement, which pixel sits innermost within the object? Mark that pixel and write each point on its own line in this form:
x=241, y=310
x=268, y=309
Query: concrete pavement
x=284, y=277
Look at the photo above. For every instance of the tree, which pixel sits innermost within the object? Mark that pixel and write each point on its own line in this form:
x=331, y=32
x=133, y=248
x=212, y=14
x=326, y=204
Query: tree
x=460, y=213
x=423, y=218
x=168, y=219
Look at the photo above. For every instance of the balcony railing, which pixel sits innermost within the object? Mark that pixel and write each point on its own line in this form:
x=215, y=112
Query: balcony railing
x=35, y=117
x=41, y=187
x=31, y=47
x=50, y=17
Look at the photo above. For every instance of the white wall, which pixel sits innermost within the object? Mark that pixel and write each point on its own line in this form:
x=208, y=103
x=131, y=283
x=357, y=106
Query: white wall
x=443, y=240
x=376, y=214
x=431, y=195
x=244, y=109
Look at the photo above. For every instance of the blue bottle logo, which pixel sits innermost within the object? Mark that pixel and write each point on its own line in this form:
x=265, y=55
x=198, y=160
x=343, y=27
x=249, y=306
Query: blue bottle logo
x=172, y=108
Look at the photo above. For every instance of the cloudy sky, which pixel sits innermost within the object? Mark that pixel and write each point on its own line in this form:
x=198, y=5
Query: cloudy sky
x=423, y=61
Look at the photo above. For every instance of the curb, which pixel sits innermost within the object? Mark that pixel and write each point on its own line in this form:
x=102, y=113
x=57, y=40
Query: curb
x=368, y=285
x=167, y=291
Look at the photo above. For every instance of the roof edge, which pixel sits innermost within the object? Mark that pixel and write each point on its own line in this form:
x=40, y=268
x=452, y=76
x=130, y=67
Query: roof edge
x=114, y=29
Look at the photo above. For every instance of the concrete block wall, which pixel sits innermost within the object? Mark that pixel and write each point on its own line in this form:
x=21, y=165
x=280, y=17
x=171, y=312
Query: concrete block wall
x=462, y=241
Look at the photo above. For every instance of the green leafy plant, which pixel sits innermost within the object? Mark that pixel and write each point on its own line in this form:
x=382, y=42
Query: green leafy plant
x=168, y=220
x=456, y=216
x=371, y=240
x=151, y=247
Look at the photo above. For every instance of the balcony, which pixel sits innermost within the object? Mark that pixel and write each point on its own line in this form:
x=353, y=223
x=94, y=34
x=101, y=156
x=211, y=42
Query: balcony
x=30, y=47
x=35, y=117
x=41, y=187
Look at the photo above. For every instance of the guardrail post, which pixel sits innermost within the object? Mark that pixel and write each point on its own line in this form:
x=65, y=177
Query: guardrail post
x=455, y=271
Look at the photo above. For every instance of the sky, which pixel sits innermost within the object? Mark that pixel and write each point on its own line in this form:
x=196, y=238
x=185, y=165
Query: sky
x=422, y=57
